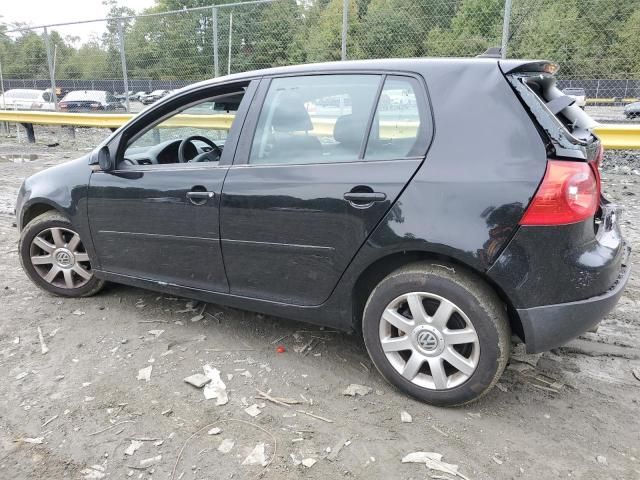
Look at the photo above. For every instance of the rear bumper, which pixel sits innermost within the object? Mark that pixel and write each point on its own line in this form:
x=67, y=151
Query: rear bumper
x=550, y=326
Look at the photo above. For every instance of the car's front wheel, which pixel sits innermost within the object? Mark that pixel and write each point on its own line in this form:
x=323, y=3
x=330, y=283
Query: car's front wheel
x=438, y=333
x=54, y=257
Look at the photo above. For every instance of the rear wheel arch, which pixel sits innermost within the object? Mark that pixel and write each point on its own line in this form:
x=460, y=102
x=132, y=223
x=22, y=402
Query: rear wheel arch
x=380, y=268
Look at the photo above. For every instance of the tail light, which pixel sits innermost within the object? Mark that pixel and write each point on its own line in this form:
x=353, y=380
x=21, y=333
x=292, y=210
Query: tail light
x=595, y=166
x=96, y=106
x=63, y=106
x=569, y=193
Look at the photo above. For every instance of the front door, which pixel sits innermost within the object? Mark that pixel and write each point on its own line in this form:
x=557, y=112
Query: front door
x=321, y=160
x=156, y=216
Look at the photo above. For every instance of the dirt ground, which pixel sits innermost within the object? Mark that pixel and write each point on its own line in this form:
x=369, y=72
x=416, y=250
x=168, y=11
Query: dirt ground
x=80, y=411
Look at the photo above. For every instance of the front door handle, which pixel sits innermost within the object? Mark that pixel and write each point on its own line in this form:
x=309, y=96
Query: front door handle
x=199, y=197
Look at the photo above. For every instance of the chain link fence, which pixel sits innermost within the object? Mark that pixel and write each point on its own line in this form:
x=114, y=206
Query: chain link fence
x=596, y=42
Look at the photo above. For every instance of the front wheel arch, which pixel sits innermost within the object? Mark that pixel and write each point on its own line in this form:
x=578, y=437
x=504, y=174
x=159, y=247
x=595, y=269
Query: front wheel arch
x=35, y=210
x=380, y=268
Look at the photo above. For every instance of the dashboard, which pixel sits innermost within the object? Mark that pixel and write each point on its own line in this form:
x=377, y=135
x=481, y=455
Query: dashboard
x=163, y=153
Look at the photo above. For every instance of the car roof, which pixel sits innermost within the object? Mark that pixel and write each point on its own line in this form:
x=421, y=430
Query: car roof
x=388, y=64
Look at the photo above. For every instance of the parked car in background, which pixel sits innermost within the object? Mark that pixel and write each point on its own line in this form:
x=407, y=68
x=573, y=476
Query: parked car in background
x=123, y=96
x=90, y=101
x=154, y=96
x=578, y=94
x=438, y=230
x=26, y=99
x=136, y=96
x=632, y=110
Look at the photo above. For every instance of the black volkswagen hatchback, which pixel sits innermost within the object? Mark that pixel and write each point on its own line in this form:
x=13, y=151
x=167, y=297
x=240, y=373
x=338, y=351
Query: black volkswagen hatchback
x=439, y=206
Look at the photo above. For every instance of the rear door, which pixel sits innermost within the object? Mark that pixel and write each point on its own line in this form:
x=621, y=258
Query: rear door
x=320, y=161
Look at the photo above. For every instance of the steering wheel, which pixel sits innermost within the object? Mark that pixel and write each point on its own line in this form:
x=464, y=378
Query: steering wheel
x=211, y=156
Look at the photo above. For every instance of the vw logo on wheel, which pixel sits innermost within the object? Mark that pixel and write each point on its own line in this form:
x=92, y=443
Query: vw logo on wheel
x=64, y=258
x=427, y=340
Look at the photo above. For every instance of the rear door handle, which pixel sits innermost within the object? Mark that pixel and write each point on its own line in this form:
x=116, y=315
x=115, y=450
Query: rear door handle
x=199, y=197
x=364, y=198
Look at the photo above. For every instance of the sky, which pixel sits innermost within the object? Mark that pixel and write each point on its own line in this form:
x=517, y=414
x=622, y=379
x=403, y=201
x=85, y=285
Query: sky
x=44, y=12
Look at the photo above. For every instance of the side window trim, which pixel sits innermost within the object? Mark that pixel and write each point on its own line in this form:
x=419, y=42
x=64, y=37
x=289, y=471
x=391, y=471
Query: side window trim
x=245, y=141
x=372, y=114
x=247, y=134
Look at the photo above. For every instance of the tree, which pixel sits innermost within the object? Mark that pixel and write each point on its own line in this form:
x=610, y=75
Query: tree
x=476, y=26
x=324, y=30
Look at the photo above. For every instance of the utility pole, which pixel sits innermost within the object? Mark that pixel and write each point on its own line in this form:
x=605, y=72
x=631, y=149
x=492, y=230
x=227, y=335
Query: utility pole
x=506, y=20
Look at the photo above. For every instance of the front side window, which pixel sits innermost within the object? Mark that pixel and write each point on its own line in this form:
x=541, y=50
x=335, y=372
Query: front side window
x=193, y=134
x=314, y=119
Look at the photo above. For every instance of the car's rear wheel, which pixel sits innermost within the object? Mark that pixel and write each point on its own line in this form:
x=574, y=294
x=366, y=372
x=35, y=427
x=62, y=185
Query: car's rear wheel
x=438, y=333
x=53, y=255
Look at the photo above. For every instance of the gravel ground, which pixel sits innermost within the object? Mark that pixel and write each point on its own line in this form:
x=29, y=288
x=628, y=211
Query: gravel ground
x=80, y=411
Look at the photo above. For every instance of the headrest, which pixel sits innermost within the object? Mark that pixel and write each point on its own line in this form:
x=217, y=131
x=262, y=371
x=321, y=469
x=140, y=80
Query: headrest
x=291, y=116
x=349, y=130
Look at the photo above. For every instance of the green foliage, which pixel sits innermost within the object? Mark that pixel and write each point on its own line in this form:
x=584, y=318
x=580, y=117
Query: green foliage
x=588, y=38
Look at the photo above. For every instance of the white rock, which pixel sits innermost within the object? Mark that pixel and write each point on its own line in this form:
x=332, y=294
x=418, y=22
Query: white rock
x=36, y=440
x=601, y=459
x=215, y=431
x=131, y=449
x=150, y=461
x=145, y=373
x=216, y=388
x=197, y=318
x=20, y=376
x=433, y=461
x=355, y=389
x=226, y=445
x=156, y=333
x=95, y=472
x=256, y=457
x=309, y=462
x=405, y=417
x=198, y=380
x=253, y=410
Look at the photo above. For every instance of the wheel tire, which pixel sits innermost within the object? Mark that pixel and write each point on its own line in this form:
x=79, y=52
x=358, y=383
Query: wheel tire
x=480, y=306
x=40, y=224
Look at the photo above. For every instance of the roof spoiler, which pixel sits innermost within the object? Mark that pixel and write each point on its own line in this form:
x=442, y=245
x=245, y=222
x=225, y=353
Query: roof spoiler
x=529, y=66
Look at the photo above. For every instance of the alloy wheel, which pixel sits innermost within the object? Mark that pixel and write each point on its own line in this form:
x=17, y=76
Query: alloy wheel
x=429, y=340
x=59, y=257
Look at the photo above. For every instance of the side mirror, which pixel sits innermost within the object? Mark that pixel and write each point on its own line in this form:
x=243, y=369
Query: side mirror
x=104, y=159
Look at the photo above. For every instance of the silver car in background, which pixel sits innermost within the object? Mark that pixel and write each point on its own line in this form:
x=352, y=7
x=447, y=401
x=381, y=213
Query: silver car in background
x=26, y=99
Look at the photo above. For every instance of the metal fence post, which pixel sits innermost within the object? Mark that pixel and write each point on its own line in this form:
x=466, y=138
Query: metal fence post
x=214, y=19
x=230, y=39
x=123, y=60
x=52, y=75
x=506, y=20
x=345, y=26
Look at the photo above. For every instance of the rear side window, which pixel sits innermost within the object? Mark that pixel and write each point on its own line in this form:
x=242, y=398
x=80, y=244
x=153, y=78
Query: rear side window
x=398, y=129
x=314, y=119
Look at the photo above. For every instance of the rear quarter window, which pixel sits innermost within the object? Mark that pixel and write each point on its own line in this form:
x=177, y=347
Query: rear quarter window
x=400, y=125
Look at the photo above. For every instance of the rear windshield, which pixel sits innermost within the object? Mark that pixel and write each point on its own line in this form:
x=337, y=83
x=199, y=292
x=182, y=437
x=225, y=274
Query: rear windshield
x=565, y=123
x=91, y=95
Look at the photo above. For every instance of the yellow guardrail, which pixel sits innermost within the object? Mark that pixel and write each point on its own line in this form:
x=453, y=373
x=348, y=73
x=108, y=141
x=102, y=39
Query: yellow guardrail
x=620, y=136
x=592, y=101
